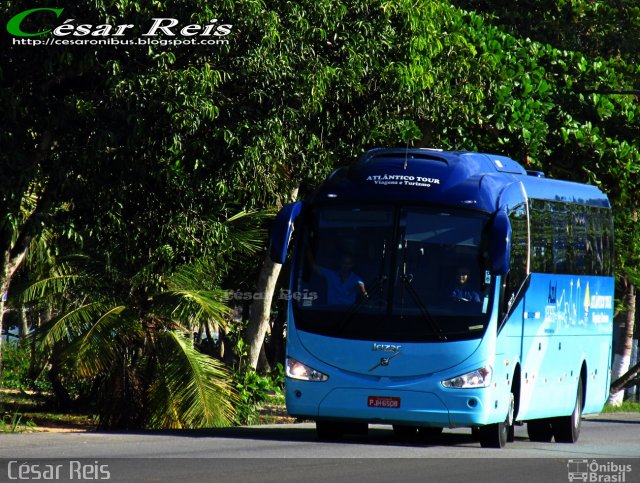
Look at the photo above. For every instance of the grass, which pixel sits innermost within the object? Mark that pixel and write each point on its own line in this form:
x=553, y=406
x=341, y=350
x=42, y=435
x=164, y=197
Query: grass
x=13, y=423
x=274, y=411
x=625, y=407
x=22, y=411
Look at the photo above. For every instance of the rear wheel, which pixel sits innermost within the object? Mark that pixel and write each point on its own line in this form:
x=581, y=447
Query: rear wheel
x=540, y=430
x=566, y=429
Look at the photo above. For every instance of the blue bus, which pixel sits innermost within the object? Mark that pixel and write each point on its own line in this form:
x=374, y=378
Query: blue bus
x=447, y=289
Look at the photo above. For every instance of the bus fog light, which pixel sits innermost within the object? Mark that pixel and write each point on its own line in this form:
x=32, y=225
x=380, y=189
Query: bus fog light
x=478, y=378
x=297, y=370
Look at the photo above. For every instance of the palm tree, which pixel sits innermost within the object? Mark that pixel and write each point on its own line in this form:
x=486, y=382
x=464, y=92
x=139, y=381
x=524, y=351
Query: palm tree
x=131, y=338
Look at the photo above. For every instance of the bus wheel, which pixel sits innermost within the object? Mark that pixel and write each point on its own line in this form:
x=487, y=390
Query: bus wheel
x=540, y=430
x=497, y=435
x=511, y=433
x=494, y=435
x=566, y=429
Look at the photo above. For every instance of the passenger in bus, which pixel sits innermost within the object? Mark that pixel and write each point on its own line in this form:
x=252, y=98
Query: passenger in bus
x=463, y=291
x=343, y=285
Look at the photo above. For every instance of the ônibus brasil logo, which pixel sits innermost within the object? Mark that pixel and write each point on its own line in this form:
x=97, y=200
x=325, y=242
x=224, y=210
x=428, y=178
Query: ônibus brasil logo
x=71, y=31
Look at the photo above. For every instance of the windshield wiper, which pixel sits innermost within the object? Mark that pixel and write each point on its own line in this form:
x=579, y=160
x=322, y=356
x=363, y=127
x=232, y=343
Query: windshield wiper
x=406, y=282
x=437, y=331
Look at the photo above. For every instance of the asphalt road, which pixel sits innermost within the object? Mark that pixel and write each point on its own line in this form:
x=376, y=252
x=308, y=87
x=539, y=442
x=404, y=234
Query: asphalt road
x=609, y=445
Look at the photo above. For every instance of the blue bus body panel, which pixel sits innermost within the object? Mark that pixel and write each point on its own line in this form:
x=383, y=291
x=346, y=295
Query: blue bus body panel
x=567, y=323
x=358, y=357
x=469, y=180
x=423, y=400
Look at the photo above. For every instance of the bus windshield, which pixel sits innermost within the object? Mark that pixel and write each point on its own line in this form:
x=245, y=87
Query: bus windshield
x=392, y=273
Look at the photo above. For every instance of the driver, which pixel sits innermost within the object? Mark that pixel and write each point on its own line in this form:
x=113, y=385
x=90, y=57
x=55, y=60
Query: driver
x=462, y=290
x=343, y=285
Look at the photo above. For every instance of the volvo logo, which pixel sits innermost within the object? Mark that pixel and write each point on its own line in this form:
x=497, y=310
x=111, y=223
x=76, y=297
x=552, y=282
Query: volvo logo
x=384, y=361
x=385, y=347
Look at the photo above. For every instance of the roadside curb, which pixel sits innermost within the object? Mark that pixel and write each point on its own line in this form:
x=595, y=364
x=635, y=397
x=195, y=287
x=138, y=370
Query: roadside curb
x=615, y=417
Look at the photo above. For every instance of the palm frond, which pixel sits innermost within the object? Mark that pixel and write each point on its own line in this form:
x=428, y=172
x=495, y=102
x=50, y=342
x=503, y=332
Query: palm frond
x=191, y=390
x=245, y=232
x=97, y=348
x=191, y=307
x=197, y=276
x=69, y=326
x=45, y=287
x=192, y=298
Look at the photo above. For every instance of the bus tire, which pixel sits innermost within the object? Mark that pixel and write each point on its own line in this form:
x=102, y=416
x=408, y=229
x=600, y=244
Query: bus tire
x=511, y=430
x=566, y=429
x=497, y=435
x=494, y=435
x=540, y=430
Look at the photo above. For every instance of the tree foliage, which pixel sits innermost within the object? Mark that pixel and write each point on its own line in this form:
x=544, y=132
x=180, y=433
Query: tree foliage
x=136, y=348
x=141, y=156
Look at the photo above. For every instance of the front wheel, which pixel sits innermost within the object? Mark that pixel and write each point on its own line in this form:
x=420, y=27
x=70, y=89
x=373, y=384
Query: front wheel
x=494, y=435
x=566, y=429
x=497, y=435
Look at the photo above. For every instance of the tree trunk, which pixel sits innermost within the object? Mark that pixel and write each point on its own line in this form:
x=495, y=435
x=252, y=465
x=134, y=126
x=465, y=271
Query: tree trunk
x=24, y=323
x=5, y=281
x=10, y=266
x=261, y=310
x=2, y=298
x=278, y=335
x=619, y=384
x=622, y=357
x=261, y=306
x=263, y=361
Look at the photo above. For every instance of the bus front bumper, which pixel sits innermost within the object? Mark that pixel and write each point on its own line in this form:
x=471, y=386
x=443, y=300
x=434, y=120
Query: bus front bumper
x=464, y=408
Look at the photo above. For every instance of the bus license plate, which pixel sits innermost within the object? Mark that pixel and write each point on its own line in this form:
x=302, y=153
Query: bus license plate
x=384, y=402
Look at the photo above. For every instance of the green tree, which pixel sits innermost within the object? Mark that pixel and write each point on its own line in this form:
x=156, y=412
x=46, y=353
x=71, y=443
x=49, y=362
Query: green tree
x=135, y=347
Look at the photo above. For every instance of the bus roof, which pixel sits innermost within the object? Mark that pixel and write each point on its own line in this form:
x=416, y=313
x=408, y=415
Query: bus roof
x=452, y=178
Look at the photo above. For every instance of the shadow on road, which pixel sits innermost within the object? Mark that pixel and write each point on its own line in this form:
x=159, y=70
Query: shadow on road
x=306, y=433
x=377, y=434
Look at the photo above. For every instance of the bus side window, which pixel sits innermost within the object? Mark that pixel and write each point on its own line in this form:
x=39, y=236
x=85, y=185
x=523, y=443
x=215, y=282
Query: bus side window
x=519, y=254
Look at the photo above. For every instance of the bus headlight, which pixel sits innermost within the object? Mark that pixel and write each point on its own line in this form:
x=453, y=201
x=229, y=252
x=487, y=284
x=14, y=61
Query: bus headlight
x=478, y=378
x=297, y=370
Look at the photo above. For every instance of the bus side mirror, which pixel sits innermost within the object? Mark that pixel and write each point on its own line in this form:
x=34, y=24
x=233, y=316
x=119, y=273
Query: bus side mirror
x=281, y=231
x=500, y=243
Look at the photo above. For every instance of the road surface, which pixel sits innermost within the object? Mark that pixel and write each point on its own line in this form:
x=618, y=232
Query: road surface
x=609, y=445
